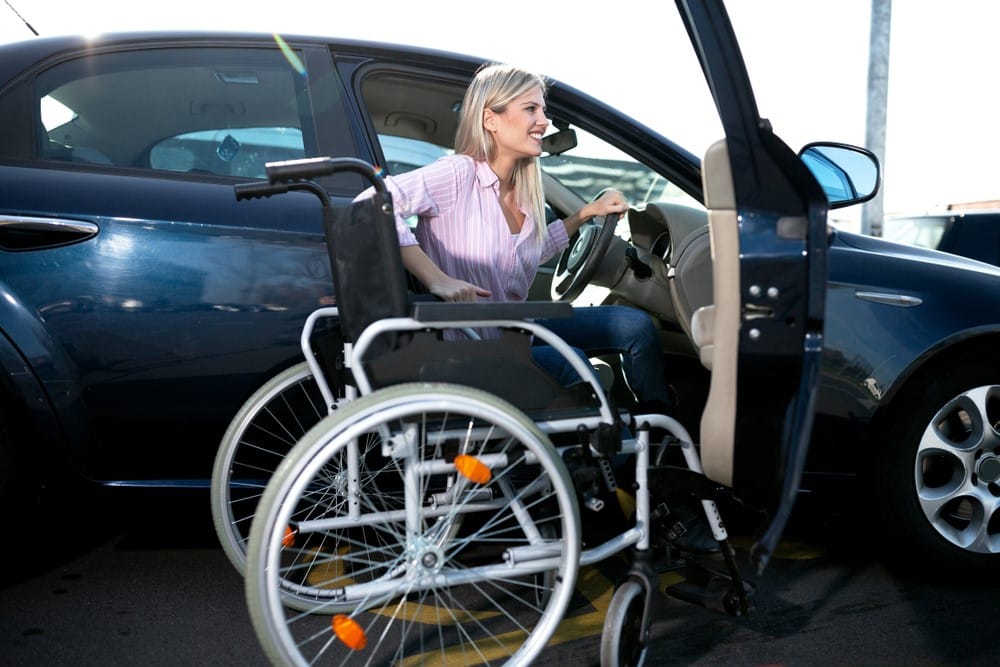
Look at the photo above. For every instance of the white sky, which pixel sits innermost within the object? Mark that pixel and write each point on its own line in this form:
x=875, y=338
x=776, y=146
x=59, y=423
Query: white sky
x=808, y=61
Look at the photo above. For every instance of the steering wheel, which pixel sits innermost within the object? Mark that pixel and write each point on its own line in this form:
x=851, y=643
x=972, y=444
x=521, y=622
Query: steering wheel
x=579, y=261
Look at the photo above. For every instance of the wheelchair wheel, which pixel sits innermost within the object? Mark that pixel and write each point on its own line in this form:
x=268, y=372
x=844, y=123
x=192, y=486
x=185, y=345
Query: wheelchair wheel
x=463, y=544
x=271, y=421
x=621, y=644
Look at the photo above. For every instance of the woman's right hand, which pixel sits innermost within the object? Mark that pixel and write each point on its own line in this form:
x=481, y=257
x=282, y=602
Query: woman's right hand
x=437, y=281
x=452, y=289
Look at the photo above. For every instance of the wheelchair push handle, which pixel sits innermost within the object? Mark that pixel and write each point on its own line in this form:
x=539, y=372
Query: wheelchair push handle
x=287, y=175
x=308, y=168
x=256, y=190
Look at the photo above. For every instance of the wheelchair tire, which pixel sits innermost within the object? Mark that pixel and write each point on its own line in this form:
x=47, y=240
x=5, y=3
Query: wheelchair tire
x=266, y=427
x=397, y=581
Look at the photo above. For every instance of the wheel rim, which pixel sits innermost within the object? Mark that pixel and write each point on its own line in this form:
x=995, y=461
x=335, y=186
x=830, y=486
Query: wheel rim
x=957, y=471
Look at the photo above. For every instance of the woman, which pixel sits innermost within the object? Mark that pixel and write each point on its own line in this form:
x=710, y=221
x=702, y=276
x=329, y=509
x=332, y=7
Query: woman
x=481, y=232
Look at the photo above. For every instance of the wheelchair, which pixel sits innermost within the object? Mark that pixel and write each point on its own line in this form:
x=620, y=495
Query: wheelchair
x=407, y=495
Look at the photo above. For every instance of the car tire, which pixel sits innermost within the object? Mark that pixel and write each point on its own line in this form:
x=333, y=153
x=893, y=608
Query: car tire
x=938, y=478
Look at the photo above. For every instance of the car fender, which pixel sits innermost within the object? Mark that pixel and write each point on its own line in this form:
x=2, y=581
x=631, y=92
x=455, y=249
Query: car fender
x=874, y=379
x=36, y=371
x=957, y=346
x=880, y=335
x=30, y=407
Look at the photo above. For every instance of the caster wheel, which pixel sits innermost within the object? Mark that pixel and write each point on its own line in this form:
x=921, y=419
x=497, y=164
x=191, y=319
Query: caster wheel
x=621, y=641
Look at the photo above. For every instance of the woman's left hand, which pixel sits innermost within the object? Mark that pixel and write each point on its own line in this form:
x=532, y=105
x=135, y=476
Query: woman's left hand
x=610, y=202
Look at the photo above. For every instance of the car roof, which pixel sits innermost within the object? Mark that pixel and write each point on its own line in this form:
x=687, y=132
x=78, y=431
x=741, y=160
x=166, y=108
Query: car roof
x=16, y=57
x=261, y=106
x=25, y=58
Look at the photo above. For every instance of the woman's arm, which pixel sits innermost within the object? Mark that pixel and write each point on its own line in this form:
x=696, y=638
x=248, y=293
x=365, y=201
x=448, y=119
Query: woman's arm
x=437, y=281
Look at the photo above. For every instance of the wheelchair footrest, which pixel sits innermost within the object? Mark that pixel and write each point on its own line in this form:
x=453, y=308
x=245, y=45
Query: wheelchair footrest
x=713, y=590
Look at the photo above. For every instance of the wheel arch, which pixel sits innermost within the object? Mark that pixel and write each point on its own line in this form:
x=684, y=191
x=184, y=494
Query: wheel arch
x=21, y=389
x=32, y=429
x=950, y=352
x=43, y=381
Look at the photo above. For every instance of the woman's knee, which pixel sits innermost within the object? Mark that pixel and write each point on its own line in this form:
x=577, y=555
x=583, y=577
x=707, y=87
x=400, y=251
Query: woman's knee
x=636, y=326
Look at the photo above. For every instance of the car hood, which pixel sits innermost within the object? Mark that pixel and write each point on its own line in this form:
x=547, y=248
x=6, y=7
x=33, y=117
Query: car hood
x=881, y=246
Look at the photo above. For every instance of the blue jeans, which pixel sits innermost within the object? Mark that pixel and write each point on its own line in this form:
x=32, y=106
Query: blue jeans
x=599, y=330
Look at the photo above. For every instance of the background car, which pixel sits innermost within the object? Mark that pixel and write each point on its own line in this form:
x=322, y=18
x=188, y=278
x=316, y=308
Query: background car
x=142, y=304
x=971, y=233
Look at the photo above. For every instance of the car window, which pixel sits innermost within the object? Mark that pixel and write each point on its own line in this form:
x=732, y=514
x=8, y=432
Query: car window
x=923, y=231
x=231, y=151
x=210, y=111
x=404, y=154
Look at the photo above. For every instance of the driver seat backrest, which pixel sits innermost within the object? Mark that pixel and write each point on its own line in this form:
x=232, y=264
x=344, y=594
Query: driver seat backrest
x=691, y=287
x=715, y=328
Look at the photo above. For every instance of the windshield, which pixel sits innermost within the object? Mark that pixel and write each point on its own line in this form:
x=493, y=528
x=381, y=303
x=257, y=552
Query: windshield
x=593, y=165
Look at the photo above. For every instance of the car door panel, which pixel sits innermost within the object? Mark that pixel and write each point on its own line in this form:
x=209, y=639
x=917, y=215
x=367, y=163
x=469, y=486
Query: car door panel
x=781, y=213
x=136, y=315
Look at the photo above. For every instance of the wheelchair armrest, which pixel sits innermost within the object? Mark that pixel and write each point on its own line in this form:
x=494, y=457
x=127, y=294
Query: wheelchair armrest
x=447, y=311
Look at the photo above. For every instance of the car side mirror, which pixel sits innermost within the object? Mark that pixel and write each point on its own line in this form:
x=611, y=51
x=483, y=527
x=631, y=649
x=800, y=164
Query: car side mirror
x=848, y=174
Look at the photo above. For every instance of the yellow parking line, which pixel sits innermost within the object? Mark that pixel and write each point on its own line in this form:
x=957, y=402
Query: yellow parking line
x=592, y=584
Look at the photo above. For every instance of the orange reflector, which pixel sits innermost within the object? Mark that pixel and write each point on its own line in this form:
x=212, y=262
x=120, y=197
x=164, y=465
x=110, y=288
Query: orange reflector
x=473, y=469
x=350, y=632
x=289, y=539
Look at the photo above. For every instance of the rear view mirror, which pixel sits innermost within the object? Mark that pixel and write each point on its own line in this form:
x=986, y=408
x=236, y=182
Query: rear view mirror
x=848, y=174
x=559, y=142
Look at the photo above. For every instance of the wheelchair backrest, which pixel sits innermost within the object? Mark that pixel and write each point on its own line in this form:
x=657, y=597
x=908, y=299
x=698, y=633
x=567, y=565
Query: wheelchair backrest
x=369, y=280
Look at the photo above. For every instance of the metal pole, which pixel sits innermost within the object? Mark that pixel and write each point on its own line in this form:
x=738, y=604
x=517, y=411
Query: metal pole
x=878, y=89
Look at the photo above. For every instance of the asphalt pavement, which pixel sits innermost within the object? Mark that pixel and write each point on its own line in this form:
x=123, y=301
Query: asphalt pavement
x=130, y=583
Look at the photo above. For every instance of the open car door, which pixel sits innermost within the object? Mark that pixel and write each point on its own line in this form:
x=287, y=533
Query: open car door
x=767, y=219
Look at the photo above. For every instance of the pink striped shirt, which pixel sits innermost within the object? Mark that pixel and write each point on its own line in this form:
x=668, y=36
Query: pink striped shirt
x=462, y=228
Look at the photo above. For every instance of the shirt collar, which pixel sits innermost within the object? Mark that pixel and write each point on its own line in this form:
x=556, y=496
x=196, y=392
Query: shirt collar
x=486, y=177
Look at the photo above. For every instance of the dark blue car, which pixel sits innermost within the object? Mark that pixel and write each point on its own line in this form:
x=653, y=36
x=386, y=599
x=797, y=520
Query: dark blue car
x=141, y=303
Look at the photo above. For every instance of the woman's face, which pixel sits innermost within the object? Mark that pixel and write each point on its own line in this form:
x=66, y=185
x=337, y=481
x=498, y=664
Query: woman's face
x=518, y=130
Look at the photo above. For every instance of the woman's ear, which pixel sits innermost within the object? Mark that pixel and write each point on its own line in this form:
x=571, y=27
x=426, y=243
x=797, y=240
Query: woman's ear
x=489, y=120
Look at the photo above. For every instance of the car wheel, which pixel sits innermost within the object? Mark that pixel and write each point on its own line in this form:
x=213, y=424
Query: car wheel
x=939, y=480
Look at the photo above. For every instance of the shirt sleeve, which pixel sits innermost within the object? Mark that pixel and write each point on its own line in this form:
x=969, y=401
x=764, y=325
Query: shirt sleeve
x=424, y=192
x=556, y=240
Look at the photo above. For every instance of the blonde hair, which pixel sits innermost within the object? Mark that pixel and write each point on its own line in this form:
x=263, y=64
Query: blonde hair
x=494, y=87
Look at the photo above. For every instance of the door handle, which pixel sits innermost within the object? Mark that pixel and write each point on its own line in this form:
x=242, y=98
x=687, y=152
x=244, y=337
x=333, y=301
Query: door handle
x=19, y=232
